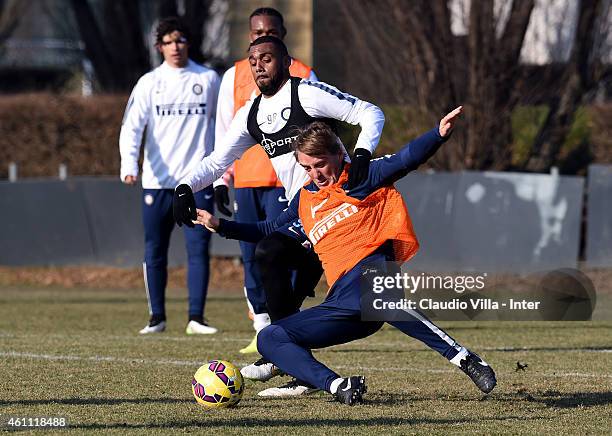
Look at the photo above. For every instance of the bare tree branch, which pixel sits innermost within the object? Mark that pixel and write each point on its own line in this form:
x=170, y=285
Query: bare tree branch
x=95, y=48
x=196, y=13
x=115, y=43
x=9, y=18
x=433, y=68
x=578, y=79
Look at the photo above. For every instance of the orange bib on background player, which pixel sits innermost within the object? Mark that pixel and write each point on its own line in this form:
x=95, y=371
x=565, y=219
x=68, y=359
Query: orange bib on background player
x=344, y=230
x=254, y=169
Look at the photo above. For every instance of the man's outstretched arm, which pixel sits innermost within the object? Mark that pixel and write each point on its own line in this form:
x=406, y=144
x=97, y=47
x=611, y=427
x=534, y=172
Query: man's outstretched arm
x=227, y=149
x=249, y=232
x=393, y=167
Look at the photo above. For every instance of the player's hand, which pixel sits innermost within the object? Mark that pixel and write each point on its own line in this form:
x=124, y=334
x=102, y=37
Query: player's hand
x=448, y=122
x=130, y=180
x=183, y=205
x=222, y=199
x=207, y=220
x=360, y=165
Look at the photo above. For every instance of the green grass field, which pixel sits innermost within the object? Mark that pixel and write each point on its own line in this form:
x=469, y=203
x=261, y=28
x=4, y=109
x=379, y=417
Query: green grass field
x=76, y=353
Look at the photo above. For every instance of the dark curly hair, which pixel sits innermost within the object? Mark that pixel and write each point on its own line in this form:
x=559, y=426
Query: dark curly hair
x=280, y=45
x=168, y=25
x=270, y=12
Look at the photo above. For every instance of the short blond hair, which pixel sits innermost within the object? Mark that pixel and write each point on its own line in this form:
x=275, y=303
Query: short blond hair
x=317, y=139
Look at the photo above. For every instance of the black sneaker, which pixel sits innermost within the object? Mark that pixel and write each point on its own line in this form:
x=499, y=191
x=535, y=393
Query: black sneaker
x=479, y=371
x=351, y=390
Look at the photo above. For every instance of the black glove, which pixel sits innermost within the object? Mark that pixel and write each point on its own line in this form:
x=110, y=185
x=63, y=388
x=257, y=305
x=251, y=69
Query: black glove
x=222, y=199
x=360, y=164
x=183, y=206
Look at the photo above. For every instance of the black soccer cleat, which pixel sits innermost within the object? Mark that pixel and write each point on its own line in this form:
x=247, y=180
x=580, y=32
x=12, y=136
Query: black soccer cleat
x=351, y=390
x=479, y=371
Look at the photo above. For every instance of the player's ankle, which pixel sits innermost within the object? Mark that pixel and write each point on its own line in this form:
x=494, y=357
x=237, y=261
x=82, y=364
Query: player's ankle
x=261, y=321
x=157, y=319
x=197, y=318
x=333, y=387
x=461, y=354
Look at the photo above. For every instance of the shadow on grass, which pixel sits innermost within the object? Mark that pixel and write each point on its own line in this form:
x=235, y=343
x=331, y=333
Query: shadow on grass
x=606, y=348
x=569, y=400
x=562, y=400
x=397, y=399
x=93, y=401
x=518, y=349
x=553, y=399
x=531, y=325
x=251, y=423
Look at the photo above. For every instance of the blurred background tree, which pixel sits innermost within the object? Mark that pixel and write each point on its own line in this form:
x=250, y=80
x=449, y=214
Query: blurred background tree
x=114, y=39
x=535, y=75
x=435, y=54
x=9, y=20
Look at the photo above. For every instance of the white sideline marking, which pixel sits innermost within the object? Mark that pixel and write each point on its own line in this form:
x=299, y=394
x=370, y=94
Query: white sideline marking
x=552, y=350
x=155, y=337
x=135, y=337
x=59, y=357
x=403, y=345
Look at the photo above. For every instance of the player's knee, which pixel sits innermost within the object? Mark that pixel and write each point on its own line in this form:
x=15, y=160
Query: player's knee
x=264, y=340
x=268, y=251
x=269, y=338
x=198, y=257
x=197, y=243
x=155, y=259
x=247, y=251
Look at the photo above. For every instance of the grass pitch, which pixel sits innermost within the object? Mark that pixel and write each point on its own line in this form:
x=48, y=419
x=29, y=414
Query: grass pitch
x=76, y=353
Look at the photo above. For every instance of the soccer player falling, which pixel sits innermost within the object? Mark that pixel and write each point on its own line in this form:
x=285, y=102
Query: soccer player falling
x=344, y=248
x=285, y=104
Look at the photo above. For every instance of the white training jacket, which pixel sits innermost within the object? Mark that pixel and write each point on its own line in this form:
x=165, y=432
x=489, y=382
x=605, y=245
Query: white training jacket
x=319, y=100
x=178, y=108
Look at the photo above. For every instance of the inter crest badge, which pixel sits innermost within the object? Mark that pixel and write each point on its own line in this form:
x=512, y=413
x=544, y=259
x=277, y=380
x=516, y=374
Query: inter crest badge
x=197, y=89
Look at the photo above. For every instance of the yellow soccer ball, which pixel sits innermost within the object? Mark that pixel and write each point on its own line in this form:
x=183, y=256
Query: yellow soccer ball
x=217, y=384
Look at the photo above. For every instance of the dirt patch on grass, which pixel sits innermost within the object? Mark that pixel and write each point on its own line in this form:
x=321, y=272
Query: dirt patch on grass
x=226, y=274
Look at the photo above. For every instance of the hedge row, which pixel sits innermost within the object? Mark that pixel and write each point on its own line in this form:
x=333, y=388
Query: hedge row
x=41, y=131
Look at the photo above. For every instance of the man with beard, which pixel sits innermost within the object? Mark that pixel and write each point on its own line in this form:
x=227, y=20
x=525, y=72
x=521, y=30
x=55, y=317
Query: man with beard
x=286, y=104
x=258, y=194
